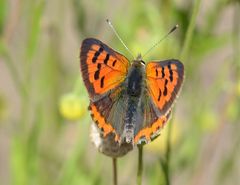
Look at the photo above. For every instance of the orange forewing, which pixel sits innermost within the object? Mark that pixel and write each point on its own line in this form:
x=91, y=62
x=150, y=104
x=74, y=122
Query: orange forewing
x=102, y=68
x=164, y=80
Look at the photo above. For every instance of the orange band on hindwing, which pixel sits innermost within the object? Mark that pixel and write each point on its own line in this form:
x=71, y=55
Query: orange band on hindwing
x=147, y=132
x=100, y=121
x=105, y=127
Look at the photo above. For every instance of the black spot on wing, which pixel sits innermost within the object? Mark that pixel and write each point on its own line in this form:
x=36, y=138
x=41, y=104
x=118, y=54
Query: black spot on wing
x=106, y=59
x=156, y=72
x=114, y=62
x=102, y=82
x=160, y=94
x=165, y=88
x=99, y=66
x=170, y=72
x=96, y=74
x=163, y=74
x=100, y=50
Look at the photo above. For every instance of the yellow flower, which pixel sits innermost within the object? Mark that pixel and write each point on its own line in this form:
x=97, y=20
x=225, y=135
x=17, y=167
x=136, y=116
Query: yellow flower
x=159, y=144
x=72, y=106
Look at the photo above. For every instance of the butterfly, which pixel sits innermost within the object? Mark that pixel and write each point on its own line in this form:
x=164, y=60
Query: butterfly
x=132, y=100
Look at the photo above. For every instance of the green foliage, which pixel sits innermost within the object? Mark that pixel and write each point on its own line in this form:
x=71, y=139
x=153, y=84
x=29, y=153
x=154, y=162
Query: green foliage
x=3, y=13
x=40, y=53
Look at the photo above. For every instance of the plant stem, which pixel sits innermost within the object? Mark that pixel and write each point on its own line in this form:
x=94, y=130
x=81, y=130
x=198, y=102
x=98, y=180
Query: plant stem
x=165, y=162
x=236, y=50
x=168, y=154
x=13, y=71
x=236, y=35
x=114, y=160
x=189, y=34
x=140, y=165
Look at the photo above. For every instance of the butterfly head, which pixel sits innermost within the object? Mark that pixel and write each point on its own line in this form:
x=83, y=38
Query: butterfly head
x=138, y=61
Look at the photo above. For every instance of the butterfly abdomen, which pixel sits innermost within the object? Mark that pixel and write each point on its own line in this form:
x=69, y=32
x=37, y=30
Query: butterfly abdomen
x=130, y=119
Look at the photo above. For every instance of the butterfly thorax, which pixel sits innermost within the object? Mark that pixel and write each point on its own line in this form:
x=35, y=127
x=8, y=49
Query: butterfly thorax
x=135, y=86
x=134, y=78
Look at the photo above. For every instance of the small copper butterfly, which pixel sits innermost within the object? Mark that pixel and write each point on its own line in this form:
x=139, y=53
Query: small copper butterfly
x=132, y=100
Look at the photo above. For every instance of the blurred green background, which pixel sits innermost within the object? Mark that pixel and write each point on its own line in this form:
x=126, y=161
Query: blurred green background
x=44, y=123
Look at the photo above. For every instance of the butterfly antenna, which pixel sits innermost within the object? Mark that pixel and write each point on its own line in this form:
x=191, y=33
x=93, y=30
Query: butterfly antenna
x=110, y=24
x=172, y=30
